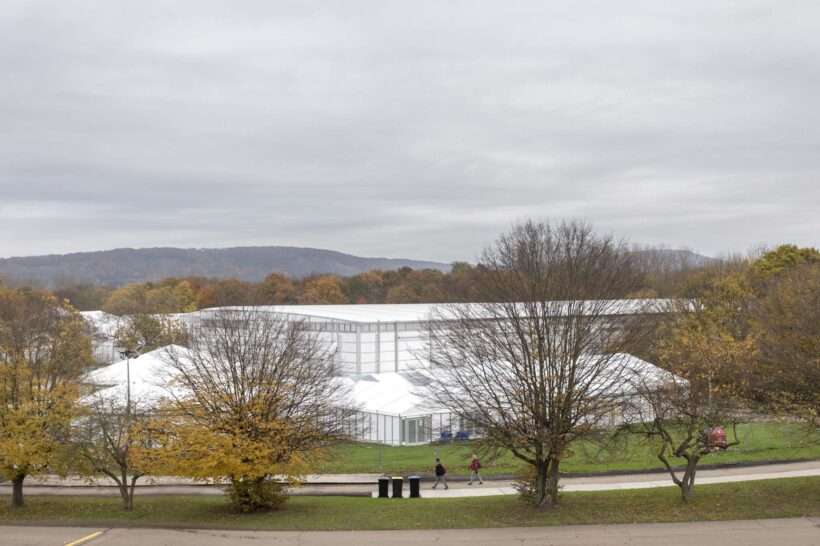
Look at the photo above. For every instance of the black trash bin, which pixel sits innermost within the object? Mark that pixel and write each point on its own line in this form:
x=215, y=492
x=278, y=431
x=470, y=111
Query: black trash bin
x=384, y=488
x=415, y=487
x=398, y=484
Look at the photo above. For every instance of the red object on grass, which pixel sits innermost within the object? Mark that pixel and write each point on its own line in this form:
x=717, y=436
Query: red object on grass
x=717, y=437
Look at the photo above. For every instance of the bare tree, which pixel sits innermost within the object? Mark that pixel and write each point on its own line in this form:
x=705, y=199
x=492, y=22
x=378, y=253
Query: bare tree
x=683, y=422
x=543, y=363
x=105, y=438
x=258, y=396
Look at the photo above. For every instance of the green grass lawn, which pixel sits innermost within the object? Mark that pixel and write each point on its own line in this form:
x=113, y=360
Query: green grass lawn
x=759, y=442
x=763, y=499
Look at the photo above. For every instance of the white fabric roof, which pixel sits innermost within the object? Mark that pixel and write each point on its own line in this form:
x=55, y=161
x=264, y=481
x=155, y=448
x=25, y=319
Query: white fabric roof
x=364, y=313
x=413, y=312
x=396, y=393
x=103, y=323
x=150, y=378
x=639, y=368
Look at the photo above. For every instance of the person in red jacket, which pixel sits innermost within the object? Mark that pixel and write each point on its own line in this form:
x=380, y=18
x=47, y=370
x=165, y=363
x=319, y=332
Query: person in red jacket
x=475, y=466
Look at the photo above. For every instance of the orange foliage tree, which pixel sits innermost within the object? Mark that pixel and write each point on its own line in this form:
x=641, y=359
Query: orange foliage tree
x=707, y=344
x=43, y=351
x=785, y=320
x=326, y=289
x=257, y=398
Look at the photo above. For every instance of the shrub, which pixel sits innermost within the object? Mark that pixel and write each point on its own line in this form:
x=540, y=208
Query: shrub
x=256, y=495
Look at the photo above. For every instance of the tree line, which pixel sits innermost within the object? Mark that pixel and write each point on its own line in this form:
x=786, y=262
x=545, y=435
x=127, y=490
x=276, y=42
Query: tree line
x=175, y=295
x=664, y=273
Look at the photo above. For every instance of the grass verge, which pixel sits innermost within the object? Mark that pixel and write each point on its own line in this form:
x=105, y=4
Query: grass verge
x=769, y=441
x=782, y=498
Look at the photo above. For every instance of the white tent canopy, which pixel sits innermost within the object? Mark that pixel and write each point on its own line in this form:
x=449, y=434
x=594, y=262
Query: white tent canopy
x=423, y=312
x=151, y=379
x=376, y=338
x=391, y=393
x=394, y=393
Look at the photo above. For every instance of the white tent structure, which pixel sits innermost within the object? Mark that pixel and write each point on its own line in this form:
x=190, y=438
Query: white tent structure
x=382, y=338
x=393, y=407
x=380, y=350
x=103, y=327
x=151, y=380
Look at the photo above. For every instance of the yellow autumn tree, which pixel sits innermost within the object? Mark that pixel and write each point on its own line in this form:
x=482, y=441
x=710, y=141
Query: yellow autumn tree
x=323, y=290
x=274, y=290
x=144, y=333
x=43, y=351
x=256, y=400
x=709, y=339
x=254, y=455
x=168, y=296
x=105, y=437
x=786, y=324
x=707, y=344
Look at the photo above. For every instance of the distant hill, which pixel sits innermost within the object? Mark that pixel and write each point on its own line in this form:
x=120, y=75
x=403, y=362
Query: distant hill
x=672, y=259
x=126, y=265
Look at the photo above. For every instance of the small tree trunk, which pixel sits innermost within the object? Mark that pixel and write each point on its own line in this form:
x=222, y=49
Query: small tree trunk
x=131, y=492
x=552, y=480
x=688, y=483
x=127, y=503
x=541, y=482
x=17, y=491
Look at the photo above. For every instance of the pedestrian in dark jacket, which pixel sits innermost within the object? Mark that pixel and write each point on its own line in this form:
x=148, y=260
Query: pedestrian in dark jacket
x=441, y=475
x=475, y=466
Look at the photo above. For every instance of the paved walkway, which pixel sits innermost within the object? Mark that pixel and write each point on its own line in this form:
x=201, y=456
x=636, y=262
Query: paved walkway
x=639, y=481
x=791, y=532
x=104, y=481
x=364, y=484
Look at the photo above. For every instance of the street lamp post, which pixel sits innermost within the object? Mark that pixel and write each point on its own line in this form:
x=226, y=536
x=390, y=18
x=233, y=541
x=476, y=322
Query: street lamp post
x=128, y=354
x=124, y=447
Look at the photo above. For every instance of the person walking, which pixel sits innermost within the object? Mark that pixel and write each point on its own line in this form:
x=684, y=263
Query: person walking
x=441, y=475
x=475, y=466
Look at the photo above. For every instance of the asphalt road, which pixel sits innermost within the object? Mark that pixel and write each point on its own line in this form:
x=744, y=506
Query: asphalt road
x=782, y=532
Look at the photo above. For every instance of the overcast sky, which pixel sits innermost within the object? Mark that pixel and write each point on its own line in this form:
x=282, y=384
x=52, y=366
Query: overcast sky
x=406, y=129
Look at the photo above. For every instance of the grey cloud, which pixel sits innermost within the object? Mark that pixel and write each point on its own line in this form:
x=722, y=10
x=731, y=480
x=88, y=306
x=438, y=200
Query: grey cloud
x=414, y=129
